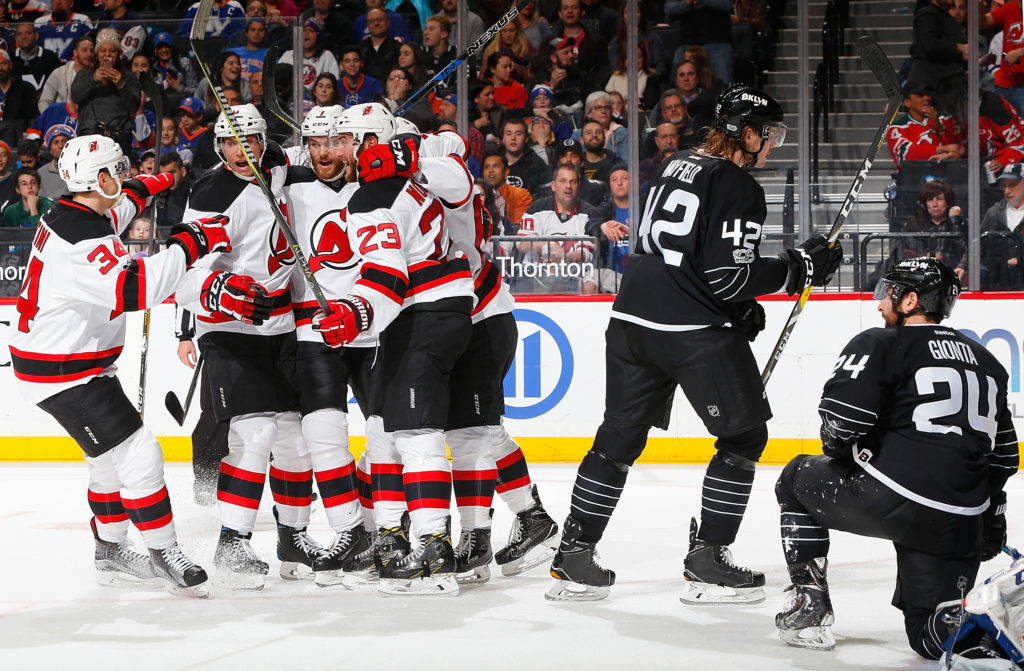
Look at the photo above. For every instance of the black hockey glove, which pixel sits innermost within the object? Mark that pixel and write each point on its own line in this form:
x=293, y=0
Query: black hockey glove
x=201, y=237
x=812, y=263
x=751, y=318
x=237, y=296
x=994, y=527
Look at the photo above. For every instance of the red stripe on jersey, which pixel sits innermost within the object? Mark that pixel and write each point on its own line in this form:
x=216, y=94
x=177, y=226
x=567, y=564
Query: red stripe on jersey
x=111, y=519
x=56, y=379
x=386, y=495
x=240, y=501
x=235, y=472
x=304, y=312
x=513, y=484
x=145, y=501
x=340, y=499
x=511, y=458
x=71, y=203
x=426, y=476
x=430, y=503
x=336, y=472
x=291, y=476
x=426, y=286
x=482, y=501
x=489, y=474
x=390, y=282
x=77, y=356
x=387, y=469
x=100, y=497
x=297, y=501
x=155, y=524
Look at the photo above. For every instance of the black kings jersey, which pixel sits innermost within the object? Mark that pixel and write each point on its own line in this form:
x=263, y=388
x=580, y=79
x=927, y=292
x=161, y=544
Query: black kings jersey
x=923, y=410
x=697, y=254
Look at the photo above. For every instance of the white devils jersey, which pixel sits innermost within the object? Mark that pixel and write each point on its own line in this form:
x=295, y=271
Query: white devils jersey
x=80, y=282
x=465, y=230
x=319, y=214
x=544, y=219
x=398, y=227
x=258, y=247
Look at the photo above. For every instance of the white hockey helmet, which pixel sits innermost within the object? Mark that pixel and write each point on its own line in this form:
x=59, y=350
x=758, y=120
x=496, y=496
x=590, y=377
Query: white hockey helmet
x=248, y=121
x=369, y=119
x=404, y=126
x=84, y=157
x=322, y=121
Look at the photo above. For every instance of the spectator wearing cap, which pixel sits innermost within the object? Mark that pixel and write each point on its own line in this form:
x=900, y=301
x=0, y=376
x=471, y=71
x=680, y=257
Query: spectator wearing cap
x=571, y=152
x=193, y=136
x=108, y=96
x=251, y=55
x=525, y=167
x=541, y=104
x=50, y=183
x=398, y=28
x=58, y=85
x=26, y=10
x=517, y=199
x=226, y=18
x=1000, y=256
x=56, y=115
x=589, y=47
x=355, y=86
x=448, y=107
x=378, y=50
x=117, y=15
x=542, y=139
x=337, y=28
x=922, y=134
x=32, y=63
x=26, y=210
x=61, y=27
x=557, y=69
x=17, y=102
x=709, y=24
x=172, y=71
x=438, y=50
x=315, y=58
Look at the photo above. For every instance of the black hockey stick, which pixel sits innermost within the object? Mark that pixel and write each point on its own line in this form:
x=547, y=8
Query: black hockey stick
x=172, y=403
x=484, y=38
x=270, y=90
x=878, y=62
x=196, y=38
x=150, y=88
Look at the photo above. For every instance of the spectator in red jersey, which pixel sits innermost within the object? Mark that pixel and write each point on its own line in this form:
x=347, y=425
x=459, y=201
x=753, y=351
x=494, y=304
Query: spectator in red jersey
x=507, y=91
x=1010, y=75
x=922, y=134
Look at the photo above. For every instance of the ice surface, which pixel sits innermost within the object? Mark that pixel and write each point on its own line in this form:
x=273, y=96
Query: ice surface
x=53, y=615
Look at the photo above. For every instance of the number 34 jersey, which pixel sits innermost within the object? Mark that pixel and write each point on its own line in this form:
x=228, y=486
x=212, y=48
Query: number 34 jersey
x=923, y=410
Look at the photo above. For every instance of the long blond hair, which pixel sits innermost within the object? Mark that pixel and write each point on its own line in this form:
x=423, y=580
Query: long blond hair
x=718, y=143
x=520, y=47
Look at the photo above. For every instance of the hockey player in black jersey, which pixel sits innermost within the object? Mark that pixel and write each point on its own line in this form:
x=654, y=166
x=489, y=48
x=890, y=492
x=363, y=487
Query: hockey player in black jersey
x=683, y=316
x=918, y=443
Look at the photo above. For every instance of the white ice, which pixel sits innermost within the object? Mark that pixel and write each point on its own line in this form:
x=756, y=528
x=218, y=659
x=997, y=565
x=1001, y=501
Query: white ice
x=53, y=615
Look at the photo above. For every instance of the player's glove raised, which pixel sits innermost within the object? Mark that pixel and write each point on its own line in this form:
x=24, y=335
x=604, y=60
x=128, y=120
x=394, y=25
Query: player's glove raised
x=812, y=263
x=993, y=527
x=486, y=220
x=143, y=187
x=348, y=317
x=237, y=296
x=201, y=237
x=398, y=158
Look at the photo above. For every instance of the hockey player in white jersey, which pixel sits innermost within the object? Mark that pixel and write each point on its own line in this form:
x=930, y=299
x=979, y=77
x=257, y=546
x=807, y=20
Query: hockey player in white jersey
x=80, y=283
x=250, y=352
x=418, y=300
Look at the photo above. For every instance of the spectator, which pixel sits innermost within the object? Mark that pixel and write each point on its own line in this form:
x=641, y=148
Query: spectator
x=598, y=162
x=25, y=212
x=600, y=19
x=543, y=140
x=7, y=193
x=570, y=152
x=172, y=71
x=378, y=50
x=29, y=10
x=666, y=137
x=614, y=237
x=649, y=41
x=58, y=85
x=147, y=162
x=171, y=142
x=491, y=115
x=227, y=69
x=511, y=40
x=709, y=24
x=170, y=204
x=32, y=63
x=17, y=102
x=599, y=108
x=108, y=96
x=706, y=78
x=937, y=212
x=252, y=55
x=325, y=90
x=474, y=24
x=315, y=58
x=648, y=89
x=59, y=30
x=28, y=153
x=556, y=68
x=356, y=87
x=138, y=237
x=283, y=8
x=526, y=168
x=922, y=134
x=508, y=93
x=1001, y=259
x=411, y=58
x=1010, y=75
x=437, y=49
x=619, y=107
x=226, y=18
x=51, y=185
x=193, y=135
x=541, y=104
x=589, y=48
x=397, y=26
x=337, y=28
x=937, y=55
x=517, y=199
x=534, y=26
x=278, y=29
x=57, y=114
x=1001, y=132
x=118, y=16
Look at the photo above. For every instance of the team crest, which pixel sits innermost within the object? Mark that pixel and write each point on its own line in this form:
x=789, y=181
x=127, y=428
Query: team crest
x=93, y=146
x=328, y=241
x=281, y=253
x=713, y=410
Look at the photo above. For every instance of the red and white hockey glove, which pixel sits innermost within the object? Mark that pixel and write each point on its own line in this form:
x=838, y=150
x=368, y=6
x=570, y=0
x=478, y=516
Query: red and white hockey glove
x=201, y=237
x=348, y=317
x=398, y=158
x=237, y=296
x=143, y=187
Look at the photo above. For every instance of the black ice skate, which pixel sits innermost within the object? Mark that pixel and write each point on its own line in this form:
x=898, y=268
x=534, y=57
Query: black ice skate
x=426, y=570
x=362, y=572
x=711, y=577
x=328, y=568
x=236, y=565
x=182, y=574
x=577, y=576
x=806, y=618
x=473, y=556
x=296, y=550
x=532, y=541
x=119, y=565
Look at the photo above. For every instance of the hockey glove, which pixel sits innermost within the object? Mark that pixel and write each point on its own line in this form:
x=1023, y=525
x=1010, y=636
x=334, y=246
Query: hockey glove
x=348, y=317
x=751, y=318
x=237, y=296
x=143, y=187
x=398, y=158
x=201, y=237
x=486, y=220
x=994, y=527
x=813, y=263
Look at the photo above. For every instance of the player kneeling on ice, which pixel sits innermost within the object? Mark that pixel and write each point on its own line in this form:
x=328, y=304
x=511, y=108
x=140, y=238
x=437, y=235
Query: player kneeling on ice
x=684, y=313
x=918, y=443
x=80, y=283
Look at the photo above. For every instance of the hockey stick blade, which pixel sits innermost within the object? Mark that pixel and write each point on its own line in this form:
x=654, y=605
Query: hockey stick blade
x=481, y=41
x=173, y=406
x=270, y=90
x=881, y=67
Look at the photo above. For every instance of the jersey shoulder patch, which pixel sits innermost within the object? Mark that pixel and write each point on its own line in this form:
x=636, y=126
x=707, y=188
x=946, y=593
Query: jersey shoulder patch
x=376, y=195
x=216, y=190
x=74, y=223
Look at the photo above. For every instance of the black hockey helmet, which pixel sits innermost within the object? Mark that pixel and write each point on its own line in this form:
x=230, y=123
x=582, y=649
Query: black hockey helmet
x=936, y=285
x=741, y=105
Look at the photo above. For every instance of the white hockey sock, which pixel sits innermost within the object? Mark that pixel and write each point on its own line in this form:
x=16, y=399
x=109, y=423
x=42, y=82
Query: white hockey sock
x=244, y=470
x=474, y=475
x=105, y=499
x=385, y=475
x=140, y=467
x=514, y=484
x=426, y=477
x=291, y=472
x=326, y=434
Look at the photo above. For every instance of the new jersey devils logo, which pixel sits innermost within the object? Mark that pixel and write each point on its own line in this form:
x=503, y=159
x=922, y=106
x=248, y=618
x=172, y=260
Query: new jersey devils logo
x=281, y=253
x=328, y=241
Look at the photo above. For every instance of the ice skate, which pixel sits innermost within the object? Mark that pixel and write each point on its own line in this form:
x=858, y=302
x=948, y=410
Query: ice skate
x=473, y=556
x=362, y=572
x=711, y=577
x=236, y=565
x=425, y=570
x=328, y=568
x=183, y=576
x=577, y=576
x=998, y=607
x=806, y=618
x=119, y=565
x=296, y=550
x=532, y=541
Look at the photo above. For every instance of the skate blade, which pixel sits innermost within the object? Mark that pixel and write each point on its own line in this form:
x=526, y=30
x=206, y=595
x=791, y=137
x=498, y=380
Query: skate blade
x=291, y=570
x=566, y=590
x=476, y=576
x=812, y=638
x=328, y=578
x=361, y=581
x=535, y=556
x=702, y=594
x=239, y=582
x=438, y=585
x=121, y=580
x=200, y=591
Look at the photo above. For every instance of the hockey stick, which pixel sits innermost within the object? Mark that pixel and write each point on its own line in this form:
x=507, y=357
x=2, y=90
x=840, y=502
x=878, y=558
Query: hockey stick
x=270, y=90
x=151, y=90
x=1014, y=554
x=878, y=62
x=484, y=38
x=196, y=38
x=171, y=401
